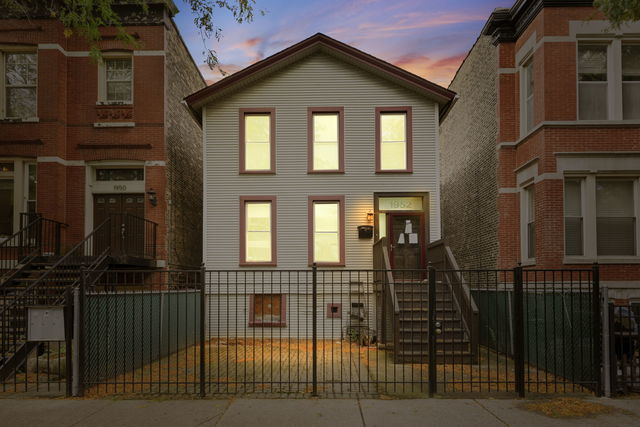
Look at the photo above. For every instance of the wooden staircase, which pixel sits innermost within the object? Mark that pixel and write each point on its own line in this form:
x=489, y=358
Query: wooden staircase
x=404, y=314
x=452, y=344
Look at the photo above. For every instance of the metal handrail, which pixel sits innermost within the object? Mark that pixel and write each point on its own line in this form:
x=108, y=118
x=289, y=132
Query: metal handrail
x=68, y=256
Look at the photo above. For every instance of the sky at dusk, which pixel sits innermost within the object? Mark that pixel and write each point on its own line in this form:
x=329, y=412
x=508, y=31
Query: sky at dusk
x=427, y=37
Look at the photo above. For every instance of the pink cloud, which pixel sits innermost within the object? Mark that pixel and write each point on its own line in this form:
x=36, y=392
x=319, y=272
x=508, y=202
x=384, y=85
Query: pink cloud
x=439, y=71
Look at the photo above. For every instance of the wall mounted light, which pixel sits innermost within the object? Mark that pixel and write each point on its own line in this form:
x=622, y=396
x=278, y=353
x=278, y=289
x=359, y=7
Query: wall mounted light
x=370, y=216
x=153, y=199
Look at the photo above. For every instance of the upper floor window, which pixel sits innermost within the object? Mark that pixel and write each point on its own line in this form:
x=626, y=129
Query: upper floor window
x=609, y=80
x=119, y=79
x=393, y=140
x=257, y=148
x=601, y=216
x=592, y=82
x=19, y=85
x=631, y=81
x=527, y=99
x=326, y=139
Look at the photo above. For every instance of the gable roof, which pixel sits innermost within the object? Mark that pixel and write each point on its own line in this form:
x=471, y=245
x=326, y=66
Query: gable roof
x=326, y=44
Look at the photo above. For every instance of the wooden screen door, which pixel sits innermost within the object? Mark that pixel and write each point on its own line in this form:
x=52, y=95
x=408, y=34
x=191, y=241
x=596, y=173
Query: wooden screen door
x=132, y=241
x=406, y=240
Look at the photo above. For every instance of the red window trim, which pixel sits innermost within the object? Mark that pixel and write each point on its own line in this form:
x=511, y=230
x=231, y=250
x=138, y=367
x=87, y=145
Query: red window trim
x=310, y=113
x=243, y=227
x=409, y=134
x=312, y=200
x=272, y=140
x=283, y=313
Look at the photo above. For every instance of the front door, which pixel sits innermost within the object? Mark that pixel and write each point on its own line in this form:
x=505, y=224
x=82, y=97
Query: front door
x=126, y=233
x=406, y=240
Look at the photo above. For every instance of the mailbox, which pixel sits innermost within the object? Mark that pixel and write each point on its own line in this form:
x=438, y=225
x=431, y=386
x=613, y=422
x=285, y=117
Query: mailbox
x=45, y=323
x=365, y=231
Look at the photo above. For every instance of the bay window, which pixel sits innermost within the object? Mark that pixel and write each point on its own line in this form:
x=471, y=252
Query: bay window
x=592, y=82
x=573, y=222
x=615, y=217
x=393, y=139
x=528, y=216
x=326, y=225
x=601, y=215
x=257, y=148
x=18, y=88
x=326, y=139
x=257, y=231
x=527, y=97
x=631, y=81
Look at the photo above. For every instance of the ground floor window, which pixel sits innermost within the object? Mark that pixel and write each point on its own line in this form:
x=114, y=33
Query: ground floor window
x=326, y=225
x=258, y=231
x=268, y=310
x=601, y=216
x=528, y=223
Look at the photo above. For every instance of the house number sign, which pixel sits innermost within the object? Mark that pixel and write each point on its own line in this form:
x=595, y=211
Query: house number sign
x=119, y=187
x=400, y=204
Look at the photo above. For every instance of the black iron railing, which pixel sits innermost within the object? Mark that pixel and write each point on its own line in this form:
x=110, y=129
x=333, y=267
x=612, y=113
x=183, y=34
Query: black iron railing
x=131, y=236
x=38, y=236
x=624, y=346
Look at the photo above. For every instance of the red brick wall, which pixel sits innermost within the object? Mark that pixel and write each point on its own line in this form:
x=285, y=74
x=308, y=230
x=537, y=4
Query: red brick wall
x=555, y=100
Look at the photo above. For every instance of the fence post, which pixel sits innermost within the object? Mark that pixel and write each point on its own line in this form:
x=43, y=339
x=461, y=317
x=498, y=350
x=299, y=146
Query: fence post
x=203, y=284
x=518, y=330
x=606, y=341
x=68, y=336
x=597, y=321
x=80, y=333
x=433, y=380
x=314, y=325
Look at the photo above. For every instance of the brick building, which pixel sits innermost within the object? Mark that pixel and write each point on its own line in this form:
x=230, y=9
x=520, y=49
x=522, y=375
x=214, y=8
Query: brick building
x=541, y=153
x=81, y=139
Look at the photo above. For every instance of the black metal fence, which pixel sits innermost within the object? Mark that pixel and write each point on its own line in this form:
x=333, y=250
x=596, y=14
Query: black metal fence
x=340, y=332
x=624, y=344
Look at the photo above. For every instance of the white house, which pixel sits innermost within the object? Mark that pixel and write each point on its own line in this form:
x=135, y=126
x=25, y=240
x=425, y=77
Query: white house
x=300, y=150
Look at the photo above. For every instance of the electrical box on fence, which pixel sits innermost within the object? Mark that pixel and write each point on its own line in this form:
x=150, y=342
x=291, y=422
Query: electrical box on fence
x=45, y=323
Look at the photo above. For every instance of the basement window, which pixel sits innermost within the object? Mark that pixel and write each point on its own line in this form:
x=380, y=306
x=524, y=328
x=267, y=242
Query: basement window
x=268, y=310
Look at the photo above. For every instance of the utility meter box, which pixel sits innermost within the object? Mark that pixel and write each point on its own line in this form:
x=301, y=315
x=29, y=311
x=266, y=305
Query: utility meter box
x=45, y=323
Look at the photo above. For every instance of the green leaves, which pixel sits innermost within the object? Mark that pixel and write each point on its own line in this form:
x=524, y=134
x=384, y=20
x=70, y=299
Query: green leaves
x=619, y=11
x=86, y=17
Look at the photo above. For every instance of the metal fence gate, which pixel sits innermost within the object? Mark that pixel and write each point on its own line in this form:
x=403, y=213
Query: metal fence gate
x=339, y=332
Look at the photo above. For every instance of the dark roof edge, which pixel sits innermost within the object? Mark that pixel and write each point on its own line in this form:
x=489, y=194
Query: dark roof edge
x=440, y=92
x=506, y=25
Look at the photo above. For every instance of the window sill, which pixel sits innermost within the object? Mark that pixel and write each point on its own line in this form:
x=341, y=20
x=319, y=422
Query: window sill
x=328, y=264
x=114, y=124
x=335, y=171
x=258, y=264
x=20, y=120
x=528, y=263
x=394, y=171
x=116, y=103
x=265, y=172
x=602, y=260
x=267, y=325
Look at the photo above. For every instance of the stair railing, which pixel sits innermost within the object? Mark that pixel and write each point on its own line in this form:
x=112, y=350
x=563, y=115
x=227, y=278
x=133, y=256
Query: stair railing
x=441, y=257
x=49, y=289
x=390, y=316
x=133, y=236
x=38, y=236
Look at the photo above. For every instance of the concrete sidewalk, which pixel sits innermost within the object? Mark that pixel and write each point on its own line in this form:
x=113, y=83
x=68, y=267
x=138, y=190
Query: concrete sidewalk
x=309, y=412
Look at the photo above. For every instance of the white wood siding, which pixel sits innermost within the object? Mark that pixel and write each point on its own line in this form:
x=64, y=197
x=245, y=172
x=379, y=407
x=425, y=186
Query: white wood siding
x=319, y=80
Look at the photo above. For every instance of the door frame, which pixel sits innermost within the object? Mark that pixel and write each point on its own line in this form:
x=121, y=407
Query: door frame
x=92, y=186
x=421, y=241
